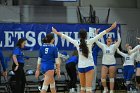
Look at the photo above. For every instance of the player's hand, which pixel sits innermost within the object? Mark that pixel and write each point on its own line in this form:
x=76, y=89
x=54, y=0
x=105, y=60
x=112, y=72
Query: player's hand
x=37, y=73
x=16, y=68
x=54, y=30
x=97, y=31
x=58, y=73
x=127, y=45
x=4, y=73
x=114, y=25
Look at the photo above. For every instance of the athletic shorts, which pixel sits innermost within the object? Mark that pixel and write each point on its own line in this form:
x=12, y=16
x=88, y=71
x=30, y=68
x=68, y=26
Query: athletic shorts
x=128, y=72
x=46, y=67
x=109, y=65
x=138, y=65
x=84, y=70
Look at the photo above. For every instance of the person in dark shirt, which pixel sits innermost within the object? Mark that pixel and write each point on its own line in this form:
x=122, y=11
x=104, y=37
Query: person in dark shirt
x=18, y=66
x=71, y=70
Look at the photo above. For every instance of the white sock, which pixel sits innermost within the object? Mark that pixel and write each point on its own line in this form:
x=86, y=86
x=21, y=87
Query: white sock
x=105, y=88
x=111, y=91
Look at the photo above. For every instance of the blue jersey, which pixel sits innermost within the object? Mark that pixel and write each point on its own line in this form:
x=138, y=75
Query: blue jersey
x=48, y=53
x=95, y=51
x=19, y=54
x=2, y=61
x=72, y=59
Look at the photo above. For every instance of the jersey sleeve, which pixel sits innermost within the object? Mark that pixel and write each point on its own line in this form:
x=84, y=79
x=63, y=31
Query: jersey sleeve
x=121, y=53
x=75, y=42
x=135, y=49
x=2, y=61
x=92, y=40
x=119, y=41
x=16, y=51
x=100, y=44
x=56, y=52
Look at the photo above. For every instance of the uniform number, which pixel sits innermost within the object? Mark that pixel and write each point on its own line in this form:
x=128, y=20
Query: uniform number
x=46, y=50
x=107, y=51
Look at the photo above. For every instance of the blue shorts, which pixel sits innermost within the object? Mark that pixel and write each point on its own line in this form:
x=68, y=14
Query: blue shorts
x=138, y=65
x=84, y=70
x=46, y=67
x=109, y=65
x=128, y=72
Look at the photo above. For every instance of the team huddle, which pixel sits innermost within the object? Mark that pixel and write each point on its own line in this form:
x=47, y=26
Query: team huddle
x=49, y=57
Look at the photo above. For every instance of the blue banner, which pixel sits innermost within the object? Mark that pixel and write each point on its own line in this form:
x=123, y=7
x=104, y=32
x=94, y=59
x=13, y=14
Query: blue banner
x=11, y=32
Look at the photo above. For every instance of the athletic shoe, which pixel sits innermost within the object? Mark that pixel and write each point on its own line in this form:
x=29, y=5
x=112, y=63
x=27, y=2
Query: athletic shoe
x=111, y=91
x=105, y=91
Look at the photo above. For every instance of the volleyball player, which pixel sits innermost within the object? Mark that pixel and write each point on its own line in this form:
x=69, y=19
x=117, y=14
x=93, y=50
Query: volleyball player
x=108, y=61
x=48, y=56
x=85, y=62
x=137, y=49
x=128, y=66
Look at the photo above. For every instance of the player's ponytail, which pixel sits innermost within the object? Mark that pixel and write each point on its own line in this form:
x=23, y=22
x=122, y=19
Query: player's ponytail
x=83, y=45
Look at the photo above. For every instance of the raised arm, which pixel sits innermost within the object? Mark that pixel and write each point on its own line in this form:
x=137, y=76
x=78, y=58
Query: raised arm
x=100, y=44
x=121, y=53
x=119, y=39
x=134, y=49
x=65, y=36
x=92, y=40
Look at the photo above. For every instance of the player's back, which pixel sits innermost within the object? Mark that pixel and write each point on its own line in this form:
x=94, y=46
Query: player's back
x=48, y=53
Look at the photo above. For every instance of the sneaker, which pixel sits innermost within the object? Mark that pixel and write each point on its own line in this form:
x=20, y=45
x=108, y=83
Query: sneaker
x=111, y=91
x=72, y=90
x=128, y=91
x=105, y=91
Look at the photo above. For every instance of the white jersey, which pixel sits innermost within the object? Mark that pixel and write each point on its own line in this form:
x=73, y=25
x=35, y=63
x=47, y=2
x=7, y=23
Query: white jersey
x=137, y=55
x=109, y=51
x=128, y=59
x=83, y=61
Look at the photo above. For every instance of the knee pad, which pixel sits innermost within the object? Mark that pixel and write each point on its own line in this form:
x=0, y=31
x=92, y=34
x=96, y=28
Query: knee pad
x=88, y=89
x=112, y=80
x=138, y=79
x=44, y=87
x=52, y=85
x=103, y=80
x=83, y=88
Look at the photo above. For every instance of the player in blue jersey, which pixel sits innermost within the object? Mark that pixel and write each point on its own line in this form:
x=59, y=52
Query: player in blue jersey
x=18, y=64
x=48, y=57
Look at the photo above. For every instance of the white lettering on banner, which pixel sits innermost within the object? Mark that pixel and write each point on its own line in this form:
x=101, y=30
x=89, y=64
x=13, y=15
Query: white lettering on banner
x=76, y=35
x=91, y=33
x=29, y=36
x=110, y=34
x=39, y=37
x=19, y=34
x=8, y=39
x=63, y=40
x=1, y=44
x=36, y=39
